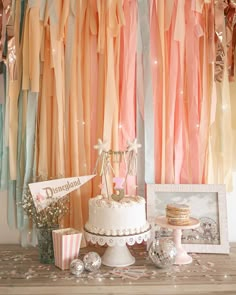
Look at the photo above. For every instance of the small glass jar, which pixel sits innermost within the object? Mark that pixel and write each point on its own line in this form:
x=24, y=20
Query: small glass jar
x=45, y=244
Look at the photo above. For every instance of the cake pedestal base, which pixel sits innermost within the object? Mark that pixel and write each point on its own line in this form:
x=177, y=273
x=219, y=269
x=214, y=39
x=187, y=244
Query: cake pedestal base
x=117, y=253
x=118, y=256
x=181, y=257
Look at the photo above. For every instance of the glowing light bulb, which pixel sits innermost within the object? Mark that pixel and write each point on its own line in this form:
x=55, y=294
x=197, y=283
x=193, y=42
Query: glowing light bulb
x=155, y=62
x=83, y=123
x=120, y=126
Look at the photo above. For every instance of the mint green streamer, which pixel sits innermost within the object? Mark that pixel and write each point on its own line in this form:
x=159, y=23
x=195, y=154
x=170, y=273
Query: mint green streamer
x=31, y=118
x=19, y=176
x=4, y=150
x=144, y=50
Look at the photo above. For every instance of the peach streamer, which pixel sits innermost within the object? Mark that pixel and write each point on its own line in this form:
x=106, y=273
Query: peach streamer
x=127, y=74
x=171, y=94
x=127, y=99
x=179, y=36
x=77, y=119
x=157, y=65
x=160, y=8
x=44, y=121
x=193, y=92
x=207, y=83
x=113, y=25
x=96, y=108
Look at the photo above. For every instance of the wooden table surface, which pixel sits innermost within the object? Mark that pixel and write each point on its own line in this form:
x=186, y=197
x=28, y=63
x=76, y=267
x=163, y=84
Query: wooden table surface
x=21, y=273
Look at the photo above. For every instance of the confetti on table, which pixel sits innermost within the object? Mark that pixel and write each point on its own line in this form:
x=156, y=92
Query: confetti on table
x=133, y=272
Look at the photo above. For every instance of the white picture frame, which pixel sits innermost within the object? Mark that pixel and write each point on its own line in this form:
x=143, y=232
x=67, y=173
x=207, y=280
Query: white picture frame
x=207, y=203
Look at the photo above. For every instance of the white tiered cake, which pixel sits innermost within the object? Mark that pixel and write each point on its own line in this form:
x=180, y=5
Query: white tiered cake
x=117, y=219
x=108, y=217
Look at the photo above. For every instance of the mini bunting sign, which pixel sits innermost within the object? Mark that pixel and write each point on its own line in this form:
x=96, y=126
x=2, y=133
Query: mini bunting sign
x=46, y=192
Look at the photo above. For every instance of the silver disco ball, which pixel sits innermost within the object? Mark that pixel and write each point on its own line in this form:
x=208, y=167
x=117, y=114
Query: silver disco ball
x=162, y=252
x=76, y=267
x=92, y=261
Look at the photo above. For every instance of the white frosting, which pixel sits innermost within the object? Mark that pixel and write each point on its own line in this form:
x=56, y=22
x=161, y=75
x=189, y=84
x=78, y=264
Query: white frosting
x=108, y=217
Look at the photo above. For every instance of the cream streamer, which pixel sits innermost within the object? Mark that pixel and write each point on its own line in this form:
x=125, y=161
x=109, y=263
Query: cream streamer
x=160, y=8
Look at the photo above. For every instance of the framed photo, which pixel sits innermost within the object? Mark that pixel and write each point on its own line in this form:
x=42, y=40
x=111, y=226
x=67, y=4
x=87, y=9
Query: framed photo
x=207, y=203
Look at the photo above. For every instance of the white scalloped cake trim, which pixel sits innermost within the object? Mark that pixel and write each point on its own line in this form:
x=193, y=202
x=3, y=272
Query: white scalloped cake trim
x=127, y=201
x=116, y=232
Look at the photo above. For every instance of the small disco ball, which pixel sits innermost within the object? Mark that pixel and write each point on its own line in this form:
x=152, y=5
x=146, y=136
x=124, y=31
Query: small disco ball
x=162, y=252
x=92, y=261
x=76, y=267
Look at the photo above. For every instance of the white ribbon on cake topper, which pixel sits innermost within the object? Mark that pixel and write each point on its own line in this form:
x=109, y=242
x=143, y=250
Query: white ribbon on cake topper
x=132, y=149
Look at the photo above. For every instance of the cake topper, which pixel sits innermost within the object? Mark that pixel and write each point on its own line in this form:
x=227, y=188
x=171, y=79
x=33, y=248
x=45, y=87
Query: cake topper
x=101, y=146
x=133, y=146
x=107, y=157
x=132, y=149
x=120, y=192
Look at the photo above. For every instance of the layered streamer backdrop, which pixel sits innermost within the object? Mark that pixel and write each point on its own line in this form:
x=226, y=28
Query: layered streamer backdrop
x=75, y=71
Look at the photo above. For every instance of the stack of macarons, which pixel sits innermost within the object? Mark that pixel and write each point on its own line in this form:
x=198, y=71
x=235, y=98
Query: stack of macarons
x=177, y=214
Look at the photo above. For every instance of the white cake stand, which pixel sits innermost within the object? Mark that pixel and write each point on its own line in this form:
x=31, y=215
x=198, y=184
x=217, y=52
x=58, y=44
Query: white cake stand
x=181, y=257
x=117, y=253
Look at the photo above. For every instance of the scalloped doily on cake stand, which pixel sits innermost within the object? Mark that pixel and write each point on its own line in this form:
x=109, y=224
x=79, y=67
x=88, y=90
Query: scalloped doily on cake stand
x=181, y=257
x=117, y=253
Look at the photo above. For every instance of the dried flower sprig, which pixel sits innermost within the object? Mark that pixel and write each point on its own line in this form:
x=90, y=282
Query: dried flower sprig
x=48, y=217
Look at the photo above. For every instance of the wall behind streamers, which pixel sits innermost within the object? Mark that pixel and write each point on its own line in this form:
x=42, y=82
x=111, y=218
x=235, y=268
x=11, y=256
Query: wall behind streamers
x=76, y=71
